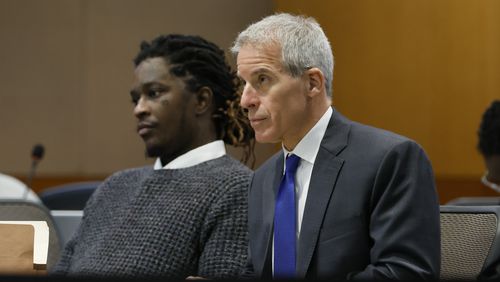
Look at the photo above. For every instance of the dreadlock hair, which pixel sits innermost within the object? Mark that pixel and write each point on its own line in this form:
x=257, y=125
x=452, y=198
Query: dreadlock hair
x=489, y=131
x=202, y=64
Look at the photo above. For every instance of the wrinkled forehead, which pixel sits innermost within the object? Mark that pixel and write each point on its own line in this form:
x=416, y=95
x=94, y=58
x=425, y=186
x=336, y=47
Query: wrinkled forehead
x=261, y=45
x=251, y=55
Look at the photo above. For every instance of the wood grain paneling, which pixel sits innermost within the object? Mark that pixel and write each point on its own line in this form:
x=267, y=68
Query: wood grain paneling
x=66, y=71
x=425, y=69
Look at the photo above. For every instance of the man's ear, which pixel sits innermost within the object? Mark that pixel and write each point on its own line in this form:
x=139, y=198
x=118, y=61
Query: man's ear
x=316, y=81
x=204, y=100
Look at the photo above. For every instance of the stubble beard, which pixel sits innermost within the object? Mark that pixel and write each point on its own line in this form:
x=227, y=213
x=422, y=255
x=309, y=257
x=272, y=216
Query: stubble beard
x=159, y=151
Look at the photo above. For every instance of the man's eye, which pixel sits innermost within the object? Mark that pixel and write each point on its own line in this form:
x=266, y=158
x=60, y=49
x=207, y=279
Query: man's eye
x=153, y=93
x=134, y=98
x=263, y=79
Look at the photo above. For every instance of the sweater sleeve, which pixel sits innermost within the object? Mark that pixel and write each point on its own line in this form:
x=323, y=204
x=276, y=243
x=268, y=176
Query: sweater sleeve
x=224, y=250
x=62, y=267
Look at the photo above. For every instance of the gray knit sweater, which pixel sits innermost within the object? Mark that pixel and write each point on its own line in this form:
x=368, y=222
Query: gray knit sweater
x=169, y=223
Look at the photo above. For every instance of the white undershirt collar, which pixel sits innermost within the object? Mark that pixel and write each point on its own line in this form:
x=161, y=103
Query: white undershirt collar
x=308, y=147
x=207, y=152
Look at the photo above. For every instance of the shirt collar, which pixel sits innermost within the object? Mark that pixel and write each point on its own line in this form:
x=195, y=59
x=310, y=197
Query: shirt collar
x=207, y=152
x=308, y=147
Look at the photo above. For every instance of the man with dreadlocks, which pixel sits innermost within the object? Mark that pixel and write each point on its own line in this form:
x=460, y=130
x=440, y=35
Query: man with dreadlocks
x=186, y=216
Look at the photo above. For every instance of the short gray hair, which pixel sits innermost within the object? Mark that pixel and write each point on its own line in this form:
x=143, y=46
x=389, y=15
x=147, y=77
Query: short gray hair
x=302, y=40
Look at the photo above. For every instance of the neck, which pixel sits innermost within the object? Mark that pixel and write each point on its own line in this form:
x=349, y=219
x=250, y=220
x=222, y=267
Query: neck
x=202, y=135
x=493, y=178
x=493, y=168
x=317, y=111
x=489, y=183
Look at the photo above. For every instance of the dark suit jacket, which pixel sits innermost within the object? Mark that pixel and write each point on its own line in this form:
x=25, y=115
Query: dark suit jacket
x=371, y=211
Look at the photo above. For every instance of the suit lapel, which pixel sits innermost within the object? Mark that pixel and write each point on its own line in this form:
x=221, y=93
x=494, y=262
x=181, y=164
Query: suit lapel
x=325, y=171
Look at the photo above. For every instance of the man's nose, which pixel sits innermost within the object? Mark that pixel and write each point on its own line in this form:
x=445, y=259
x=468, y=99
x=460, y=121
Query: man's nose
x=249, y=97
x=141, y=108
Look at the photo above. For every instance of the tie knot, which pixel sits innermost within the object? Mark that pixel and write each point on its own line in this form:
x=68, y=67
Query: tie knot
x=292, y=161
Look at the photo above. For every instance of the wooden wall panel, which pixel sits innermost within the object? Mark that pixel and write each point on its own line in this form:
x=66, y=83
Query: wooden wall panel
x=66, y=71
x=425, y=69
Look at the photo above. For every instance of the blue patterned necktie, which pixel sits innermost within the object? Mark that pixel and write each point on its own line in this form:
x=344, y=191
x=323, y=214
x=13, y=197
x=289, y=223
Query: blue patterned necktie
x=285, y=224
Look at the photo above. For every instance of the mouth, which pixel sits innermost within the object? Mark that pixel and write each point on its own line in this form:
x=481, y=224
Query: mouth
x=144, y=128
x=256, y=120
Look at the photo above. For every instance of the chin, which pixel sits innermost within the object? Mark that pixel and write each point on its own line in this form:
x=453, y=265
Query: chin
x=265, y=139
x=152, y=151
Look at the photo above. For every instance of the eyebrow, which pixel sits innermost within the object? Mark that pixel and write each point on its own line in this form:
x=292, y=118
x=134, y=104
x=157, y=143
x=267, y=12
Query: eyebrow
x=260, y=70
x=137, y=89
x=257, y=71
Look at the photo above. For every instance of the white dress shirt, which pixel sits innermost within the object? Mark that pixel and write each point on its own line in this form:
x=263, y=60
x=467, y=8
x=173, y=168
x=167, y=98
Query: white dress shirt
x=306, y=149
x=207, y=152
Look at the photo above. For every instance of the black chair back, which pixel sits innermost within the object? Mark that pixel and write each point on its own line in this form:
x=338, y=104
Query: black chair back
x=474, y=201
x=71, y=196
